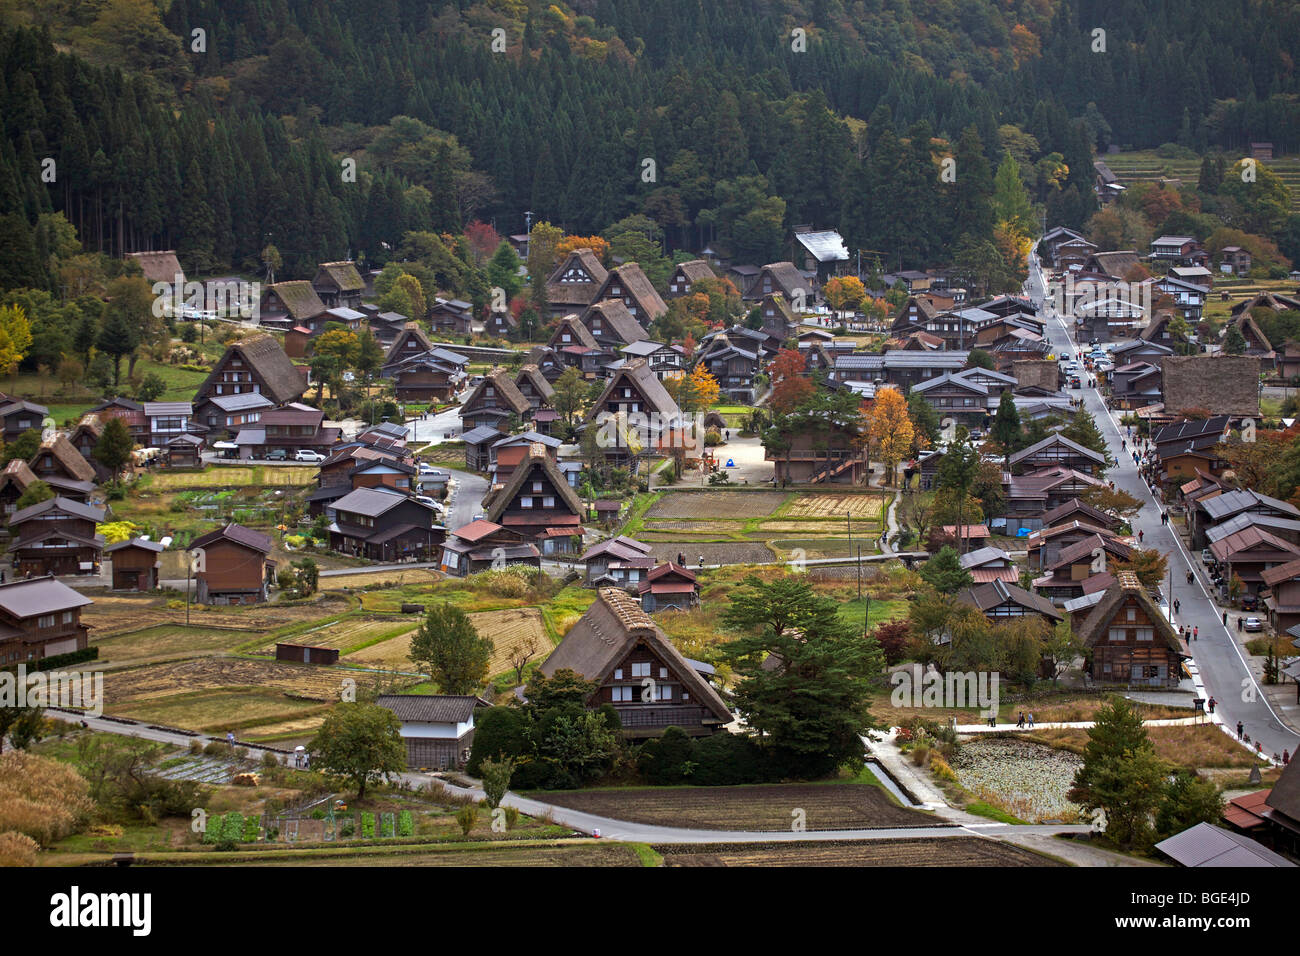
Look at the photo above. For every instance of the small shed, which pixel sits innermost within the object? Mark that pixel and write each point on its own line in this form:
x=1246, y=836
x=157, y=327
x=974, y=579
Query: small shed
x=185, y=451
x=306, y=654
x=607, y=510
x=135, y=564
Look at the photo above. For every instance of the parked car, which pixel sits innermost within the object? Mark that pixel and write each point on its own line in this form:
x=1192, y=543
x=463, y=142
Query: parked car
x=1207, y=557
x=1250, y=602
x=1254, y=624
x=306, y=454
x=277, y=454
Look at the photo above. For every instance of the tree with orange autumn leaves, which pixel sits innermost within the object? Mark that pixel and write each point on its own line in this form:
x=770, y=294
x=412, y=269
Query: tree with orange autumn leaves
x=889, y=428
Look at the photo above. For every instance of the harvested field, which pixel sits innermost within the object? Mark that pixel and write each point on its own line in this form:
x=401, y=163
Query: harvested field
x=321, y=684
x=715, y=528
x=362, y=578
x=771, y=526
x=945, y=852
x=218, y=710
x=509, y=629
x=234, y=477
x=835, y=506
x=348, y=632
x=716, y=504
x=168, y=640
x=737, y=552
x=1190, y=746
x=115, y=614
x=769, y=807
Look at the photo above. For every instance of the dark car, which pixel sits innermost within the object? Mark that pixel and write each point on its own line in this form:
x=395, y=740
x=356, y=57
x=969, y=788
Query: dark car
x=1250, y=603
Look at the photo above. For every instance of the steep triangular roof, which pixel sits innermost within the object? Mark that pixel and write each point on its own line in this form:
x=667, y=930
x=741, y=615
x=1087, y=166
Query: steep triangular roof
x=577, y=331
x=634, y=282
x=582, y=292
x=281, y=380
x=534, y=375
x=614, y=625
x=613, y=318
x=646, y=382
x=344, y=275
x=69, y=459
x=399, y=349
x=537, y=459
x=694, y=270
x=506, y=391
x=299, y=298
x=1125, y=586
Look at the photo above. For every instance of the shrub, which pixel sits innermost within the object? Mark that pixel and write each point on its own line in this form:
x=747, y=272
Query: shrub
x=387, y=825
x=512, y=817
x=17, y=849
x=368, y=825
x=41, y=798
x=270, y=760
x=467, y=817
x=405, y=824
x=196, y=747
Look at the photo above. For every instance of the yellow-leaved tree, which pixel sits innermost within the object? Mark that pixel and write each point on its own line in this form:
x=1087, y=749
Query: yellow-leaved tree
x=890, y=429
x=15, y=337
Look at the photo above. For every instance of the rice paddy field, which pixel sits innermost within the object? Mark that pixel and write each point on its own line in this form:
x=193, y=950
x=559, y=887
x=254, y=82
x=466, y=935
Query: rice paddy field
x=760, y=526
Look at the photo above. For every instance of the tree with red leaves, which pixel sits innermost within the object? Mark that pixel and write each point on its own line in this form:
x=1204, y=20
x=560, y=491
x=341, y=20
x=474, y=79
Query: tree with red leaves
x=790, y=387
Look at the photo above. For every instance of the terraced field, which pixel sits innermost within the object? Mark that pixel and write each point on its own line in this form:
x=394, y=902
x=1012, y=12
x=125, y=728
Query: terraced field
x=1146, y=166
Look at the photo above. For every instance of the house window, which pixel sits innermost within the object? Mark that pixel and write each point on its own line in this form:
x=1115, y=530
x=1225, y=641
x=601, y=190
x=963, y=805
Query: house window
x=621, y=694
x=663, y=673
x=537, y=487
x=618, y=673
x=1118, y=635
x=45, y=620
x=1131, y=614
x=641, y=669
x=67, y=617
x=663, y=692
x=526, y=502
x=548, y=501
x=1146, y=633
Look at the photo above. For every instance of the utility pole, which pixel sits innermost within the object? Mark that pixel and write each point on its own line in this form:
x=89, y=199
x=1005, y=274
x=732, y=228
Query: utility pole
x=189, y=570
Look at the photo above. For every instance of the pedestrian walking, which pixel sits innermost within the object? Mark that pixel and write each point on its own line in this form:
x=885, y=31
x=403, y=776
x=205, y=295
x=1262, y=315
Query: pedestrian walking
x=1189, y=576
x=1141, y=535
x=1031, y=720
x=1239, y=624
x=1020, y=720
x=1213, y=702
x=1241, y=730
x=1177, y=605
x=1196, y=631
x=1123, y=445
x=701, y=562
x=1225, y=618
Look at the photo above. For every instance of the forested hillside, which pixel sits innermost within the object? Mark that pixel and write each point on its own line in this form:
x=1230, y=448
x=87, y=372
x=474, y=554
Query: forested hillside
x=218, y=152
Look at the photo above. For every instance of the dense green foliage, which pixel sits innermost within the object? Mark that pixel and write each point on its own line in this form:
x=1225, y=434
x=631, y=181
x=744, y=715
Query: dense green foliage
x=222, y=150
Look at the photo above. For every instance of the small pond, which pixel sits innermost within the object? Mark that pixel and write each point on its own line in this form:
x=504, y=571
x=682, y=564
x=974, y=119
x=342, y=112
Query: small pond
x=1027, y=779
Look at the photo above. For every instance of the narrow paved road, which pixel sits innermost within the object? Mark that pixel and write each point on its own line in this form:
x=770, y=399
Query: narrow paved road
x=1221, y=664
